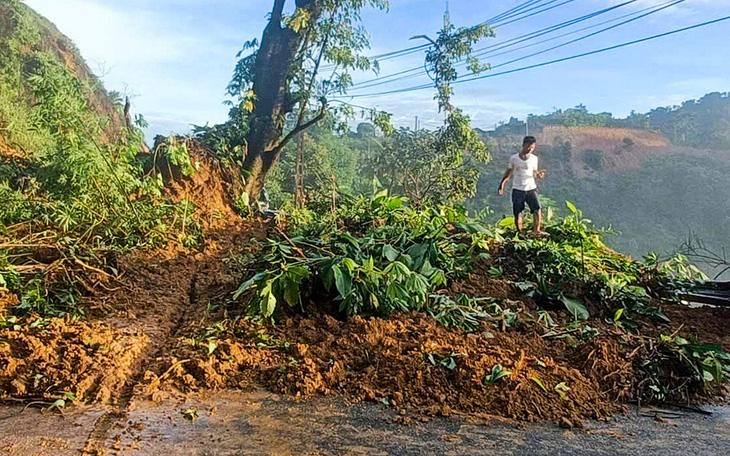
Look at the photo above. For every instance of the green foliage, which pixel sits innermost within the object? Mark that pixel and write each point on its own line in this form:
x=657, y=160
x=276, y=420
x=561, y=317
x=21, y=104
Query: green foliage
x=438, y=166
x=576, y=254
x=451, y=46
x=463, y=312
x=176, y=152
x=549, y=297
x=447, y=361
x=331, y=164
x=374, y=256
x=578, y=116
x=703, y=123
x=79, y=172
x=332, y=38
x=676, y=367
x=498, y=373
x=593, y=159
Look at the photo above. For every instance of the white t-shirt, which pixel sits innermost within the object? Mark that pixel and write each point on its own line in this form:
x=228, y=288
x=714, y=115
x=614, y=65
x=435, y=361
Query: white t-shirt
x=523, y=172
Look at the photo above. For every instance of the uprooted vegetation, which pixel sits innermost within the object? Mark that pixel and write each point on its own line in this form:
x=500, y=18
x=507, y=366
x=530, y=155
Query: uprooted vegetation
x=430, y=311
x=420, y=307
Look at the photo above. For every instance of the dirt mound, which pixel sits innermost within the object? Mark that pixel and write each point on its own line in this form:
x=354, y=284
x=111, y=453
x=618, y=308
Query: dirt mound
x=88, y=359
x=211, y=187
x=158, y=295
x=410, y=362
x=164, y=332
x=413, y=362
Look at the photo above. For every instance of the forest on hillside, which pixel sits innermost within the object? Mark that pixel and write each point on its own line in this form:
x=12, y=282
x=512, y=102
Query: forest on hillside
x=702, y=123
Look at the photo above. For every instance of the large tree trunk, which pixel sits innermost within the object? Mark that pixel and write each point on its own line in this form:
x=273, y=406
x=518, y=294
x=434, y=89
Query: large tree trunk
x=279, y=47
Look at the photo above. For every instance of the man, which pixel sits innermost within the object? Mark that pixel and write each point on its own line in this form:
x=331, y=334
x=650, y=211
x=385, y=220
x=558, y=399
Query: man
x=524, y=168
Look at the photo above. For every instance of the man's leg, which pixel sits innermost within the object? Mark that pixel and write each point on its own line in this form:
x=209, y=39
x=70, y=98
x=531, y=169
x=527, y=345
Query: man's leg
x=518, y=205
x=533, y=201
x=537, y=219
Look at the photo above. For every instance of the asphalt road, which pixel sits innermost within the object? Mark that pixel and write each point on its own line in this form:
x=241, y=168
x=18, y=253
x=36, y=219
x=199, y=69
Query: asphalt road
x=232, y=423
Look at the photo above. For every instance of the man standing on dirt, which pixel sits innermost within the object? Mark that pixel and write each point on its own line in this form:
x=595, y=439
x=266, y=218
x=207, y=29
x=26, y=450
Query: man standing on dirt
x=524, y=168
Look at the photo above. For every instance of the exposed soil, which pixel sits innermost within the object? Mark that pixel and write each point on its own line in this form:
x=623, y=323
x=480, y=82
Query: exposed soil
x=623, y=148
x=9, y=153
x=707, y=323
x=210, y=188
x=88, y=359
x=388, y=360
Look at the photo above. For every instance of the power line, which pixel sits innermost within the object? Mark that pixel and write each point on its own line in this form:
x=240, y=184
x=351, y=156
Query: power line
x=510, y=11
x=551, y=62
x=502, y=24
x=403, y=52
x=653, y=10
x=374, y=82
x=581, y=29
x=588, y=35
x=522, y=9
x=553, y=28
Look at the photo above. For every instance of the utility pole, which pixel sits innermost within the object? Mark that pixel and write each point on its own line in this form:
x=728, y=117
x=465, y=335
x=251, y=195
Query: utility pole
x=416, y=123
x=447, y=17
x=527, y=126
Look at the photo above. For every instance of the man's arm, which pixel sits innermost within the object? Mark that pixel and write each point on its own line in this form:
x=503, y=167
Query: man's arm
x=505, y=178
x=539, y=173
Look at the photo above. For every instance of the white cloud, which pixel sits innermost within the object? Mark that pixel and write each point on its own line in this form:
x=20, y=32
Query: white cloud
x=175, y=66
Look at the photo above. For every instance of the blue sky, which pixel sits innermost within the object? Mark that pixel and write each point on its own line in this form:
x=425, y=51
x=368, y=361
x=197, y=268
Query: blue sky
x=175, y=57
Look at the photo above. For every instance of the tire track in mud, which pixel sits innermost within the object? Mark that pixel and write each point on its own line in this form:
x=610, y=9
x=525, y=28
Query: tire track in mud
x=95, y=444
x=169, y=294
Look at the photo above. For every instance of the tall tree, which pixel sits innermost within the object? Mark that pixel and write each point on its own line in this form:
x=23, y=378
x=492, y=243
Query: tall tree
x=281, y=76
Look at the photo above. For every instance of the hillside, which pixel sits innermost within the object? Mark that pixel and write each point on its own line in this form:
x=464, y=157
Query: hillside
x=604, y=149
x=38, y=63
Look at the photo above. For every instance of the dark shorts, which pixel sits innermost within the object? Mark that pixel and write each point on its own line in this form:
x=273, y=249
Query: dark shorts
x=519, y=198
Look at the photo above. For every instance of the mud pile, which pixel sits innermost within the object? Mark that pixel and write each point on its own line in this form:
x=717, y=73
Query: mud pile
x=89, y=360
x=212, y=188
x=412, y=362
x=165, y=326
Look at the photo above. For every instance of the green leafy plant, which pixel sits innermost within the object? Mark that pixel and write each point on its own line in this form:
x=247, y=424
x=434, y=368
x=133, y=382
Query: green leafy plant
x=376, y=255
x=447, y=361
x=675, y=368
x=553, y=298
x=498, y=373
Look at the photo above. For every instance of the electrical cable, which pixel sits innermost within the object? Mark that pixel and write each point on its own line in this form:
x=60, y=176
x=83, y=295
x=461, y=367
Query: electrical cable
x=551, y=62
x=482, y=52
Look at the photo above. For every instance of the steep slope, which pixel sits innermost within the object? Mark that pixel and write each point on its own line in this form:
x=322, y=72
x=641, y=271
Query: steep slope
x=46, y=86
x=610, y=149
